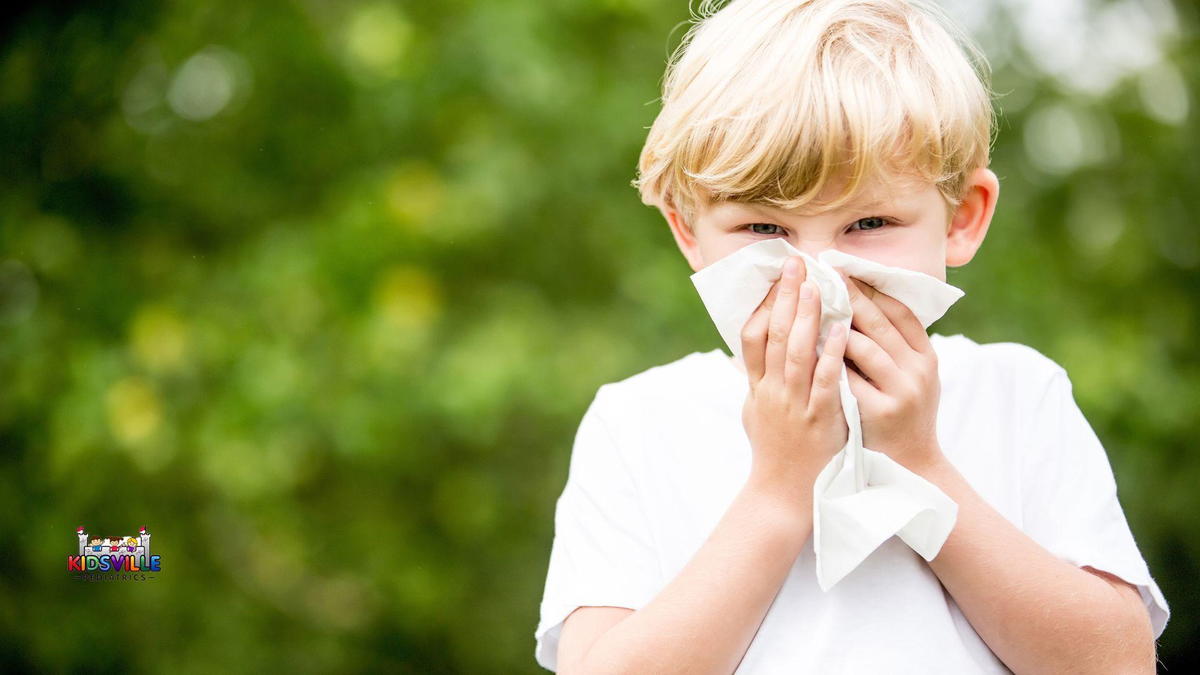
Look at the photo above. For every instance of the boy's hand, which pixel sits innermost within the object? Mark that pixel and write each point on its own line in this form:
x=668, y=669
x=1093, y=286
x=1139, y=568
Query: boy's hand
x=793, y=412
x=898, y=397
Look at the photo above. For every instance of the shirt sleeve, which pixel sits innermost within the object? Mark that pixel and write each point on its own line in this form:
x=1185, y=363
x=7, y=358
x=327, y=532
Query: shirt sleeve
x=602, y=554
x=1069, y=500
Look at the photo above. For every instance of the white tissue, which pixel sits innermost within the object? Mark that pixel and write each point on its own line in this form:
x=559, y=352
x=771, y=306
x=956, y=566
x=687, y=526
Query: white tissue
x=862, y=497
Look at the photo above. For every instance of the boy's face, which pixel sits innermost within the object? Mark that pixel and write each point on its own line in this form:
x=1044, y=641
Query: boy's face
x=902, y=225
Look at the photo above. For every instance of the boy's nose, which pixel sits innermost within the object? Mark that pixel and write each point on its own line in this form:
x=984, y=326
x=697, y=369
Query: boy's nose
x=813, y=248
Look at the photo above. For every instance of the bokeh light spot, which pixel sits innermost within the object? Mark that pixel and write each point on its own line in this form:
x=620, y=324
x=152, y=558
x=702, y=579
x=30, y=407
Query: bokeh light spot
x=205, y=84
x=1163, y=93
x=416, y=193
x=134, y=410
x=159, y=338
x=376, y=37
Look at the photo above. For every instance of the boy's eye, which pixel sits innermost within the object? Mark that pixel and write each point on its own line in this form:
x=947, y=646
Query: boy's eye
x=875, y=223
x=754, y=225
x=864, y=225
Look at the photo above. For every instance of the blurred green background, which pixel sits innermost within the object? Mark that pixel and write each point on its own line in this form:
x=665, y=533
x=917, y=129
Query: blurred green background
x=318, y=291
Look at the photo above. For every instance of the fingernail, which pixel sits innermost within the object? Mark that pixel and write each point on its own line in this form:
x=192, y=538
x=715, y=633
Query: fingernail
x=790, y=267
x=806, y=290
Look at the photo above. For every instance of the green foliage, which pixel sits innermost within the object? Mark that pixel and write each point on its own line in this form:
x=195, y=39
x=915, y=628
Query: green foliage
x=319, y=292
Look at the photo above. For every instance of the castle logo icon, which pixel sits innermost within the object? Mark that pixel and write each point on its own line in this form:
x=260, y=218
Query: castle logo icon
x=113, y=558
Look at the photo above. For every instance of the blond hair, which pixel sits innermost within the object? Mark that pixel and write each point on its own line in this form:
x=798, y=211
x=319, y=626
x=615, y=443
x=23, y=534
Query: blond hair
x=768, y=101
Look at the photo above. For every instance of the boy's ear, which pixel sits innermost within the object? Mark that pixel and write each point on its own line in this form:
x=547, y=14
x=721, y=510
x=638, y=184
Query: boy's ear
x=684, y=238
x=970, y=221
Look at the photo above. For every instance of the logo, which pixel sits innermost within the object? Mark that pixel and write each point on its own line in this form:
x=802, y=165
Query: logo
x=113, y=558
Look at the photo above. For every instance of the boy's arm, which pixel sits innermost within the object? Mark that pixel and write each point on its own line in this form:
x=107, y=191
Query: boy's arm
x=1037, y=612
x=704, y=620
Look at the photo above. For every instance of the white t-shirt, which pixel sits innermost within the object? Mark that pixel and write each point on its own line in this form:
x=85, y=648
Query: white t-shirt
x=659, y=457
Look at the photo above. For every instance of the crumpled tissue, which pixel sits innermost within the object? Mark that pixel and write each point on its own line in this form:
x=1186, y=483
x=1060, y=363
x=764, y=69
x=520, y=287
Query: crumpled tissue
x=862, y=497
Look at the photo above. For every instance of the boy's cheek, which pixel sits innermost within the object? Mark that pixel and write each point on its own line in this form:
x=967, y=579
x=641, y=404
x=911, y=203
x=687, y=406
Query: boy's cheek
x=911, y=249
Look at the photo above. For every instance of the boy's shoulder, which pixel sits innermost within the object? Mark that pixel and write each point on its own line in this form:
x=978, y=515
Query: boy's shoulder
x=960, y=357
x=698, y=383
x=701, y=378
x=691, y=372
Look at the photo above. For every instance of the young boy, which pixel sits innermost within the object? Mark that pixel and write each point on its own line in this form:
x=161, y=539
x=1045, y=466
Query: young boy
x=683, y=533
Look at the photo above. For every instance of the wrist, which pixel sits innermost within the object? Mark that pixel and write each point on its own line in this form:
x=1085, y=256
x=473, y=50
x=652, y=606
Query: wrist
x=933, y=462
x=790, y=494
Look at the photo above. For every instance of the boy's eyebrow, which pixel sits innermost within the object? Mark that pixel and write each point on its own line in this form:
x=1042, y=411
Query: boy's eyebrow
x=853, y=206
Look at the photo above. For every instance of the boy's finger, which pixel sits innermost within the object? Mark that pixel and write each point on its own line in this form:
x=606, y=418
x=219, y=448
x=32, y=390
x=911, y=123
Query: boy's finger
x=872, y=361
x=870, y=319
x=901, y=316
x=862, y=388
x=826, y=395
x=782, y=315
x=802, y=343
x=754, y=335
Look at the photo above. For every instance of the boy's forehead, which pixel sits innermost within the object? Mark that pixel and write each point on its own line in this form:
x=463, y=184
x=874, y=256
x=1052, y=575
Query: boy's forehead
x=878, y=195
x=880, y=190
